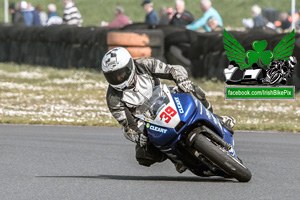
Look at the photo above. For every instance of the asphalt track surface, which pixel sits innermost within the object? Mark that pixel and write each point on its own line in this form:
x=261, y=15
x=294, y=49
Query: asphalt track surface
x=61, y=162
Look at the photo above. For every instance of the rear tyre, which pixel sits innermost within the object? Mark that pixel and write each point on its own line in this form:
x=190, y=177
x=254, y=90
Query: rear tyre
x=222, y=159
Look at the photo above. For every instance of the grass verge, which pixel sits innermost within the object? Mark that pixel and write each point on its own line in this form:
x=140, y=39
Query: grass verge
x=44, y=95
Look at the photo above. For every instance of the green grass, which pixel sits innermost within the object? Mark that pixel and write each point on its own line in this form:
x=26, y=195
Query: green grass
x=95, y=11
x=45, y=95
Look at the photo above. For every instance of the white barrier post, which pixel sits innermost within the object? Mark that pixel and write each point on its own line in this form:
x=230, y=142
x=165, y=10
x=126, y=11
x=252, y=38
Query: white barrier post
x=293, y=14
x=6, y=11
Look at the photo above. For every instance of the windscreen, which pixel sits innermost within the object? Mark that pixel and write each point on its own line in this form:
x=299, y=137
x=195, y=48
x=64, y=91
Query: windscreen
x=150, y=108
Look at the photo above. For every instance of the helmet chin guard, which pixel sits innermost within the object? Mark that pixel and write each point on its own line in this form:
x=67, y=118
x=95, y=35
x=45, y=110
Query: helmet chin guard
x=118, y=68
x=125, y=84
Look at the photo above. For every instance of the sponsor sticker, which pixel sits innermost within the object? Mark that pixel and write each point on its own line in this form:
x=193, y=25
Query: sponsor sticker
x=168, y=114
x=147, y=125
x=157, y=129
x=179, y=106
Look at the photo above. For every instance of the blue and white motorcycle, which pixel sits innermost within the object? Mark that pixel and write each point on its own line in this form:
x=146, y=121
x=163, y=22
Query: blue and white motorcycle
x=189, y=134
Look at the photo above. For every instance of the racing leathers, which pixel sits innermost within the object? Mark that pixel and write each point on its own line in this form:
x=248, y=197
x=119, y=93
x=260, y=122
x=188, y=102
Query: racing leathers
x=122, y=104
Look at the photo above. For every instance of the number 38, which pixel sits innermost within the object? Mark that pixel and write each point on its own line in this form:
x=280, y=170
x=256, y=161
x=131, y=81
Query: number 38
x=168, y=113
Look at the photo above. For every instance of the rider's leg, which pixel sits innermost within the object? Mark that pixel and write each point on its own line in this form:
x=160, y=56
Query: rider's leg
x=199, y=94
x=144, y=155
x=149, y=155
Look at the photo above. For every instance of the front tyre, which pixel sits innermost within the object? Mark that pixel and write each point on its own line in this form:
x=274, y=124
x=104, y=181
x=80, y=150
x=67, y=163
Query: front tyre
x=222, y=158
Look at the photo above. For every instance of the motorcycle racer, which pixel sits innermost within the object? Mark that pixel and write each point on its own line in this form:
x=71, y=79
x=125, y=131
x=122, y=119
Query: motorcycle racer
x=132, y=81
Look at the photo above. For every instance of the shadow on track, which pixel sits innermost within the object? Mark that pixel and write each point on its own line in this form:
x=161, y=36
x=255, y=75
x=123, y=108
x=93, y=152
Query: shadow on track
x=147, y=178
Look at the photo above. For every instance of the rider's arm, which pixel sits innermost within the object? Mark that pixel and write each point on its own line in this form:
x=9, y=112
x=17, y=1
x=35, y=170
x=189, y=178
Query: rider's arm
x=162, y=70
x=121, y=114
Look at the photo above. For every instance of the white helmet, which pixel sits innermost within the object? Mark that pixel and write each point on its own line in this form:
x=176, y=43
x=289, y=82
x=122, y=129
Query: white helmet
x=118, y=68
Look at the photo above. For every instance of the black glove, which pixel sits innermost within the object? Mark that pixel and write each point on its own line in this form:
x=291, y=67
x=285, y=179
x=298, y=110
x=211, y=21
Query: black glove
x=136, y=136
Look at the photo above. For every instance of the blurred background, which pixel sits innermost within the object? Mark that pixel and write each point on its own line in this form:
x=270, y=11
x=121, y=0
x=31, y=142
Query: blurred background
x=95, y=11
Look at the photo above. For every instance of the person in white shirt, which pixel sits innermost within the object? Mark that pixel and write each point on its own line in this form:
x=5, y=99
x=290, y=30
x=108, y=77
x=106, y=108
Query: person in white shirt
x=72, y=15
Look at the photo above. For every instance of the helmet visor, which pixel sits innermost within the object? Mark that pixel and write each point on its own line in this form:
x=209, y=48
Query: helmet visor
x=119, y=76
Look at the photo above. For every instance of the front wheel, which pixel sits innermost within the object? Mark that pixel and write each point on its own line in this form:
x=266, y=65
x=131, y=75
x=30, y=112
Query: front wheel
x=222, y=159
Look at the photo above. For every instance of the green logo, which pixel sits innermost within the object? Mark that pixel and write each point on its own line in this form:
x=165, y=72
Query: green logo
x=236, y=52
x=148, y=125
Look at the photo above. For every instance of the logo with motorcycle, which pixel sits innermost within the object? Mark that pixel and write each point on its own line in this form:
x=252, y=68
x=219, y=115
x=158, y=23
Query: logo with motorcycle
x=259, y=66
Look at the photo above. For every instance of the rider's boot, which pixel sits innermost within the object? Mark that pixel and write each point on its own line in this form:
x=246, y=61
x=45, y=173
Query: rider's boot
x=180, y=168
x=230, y=121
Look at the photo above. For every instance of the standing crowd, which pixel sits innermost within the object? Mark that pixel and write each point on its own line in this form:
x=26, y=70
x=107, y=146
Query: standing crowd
x=210, y=20
x=23, y=13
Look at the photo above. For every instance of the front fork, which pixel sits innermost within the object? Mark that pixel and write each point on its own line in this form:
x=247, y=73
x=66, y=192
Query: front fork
x=213, y=137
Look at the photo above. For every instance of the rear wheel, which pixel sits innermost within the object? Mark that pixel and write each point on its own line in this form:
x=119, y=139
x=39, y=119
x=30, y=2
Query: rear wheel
x=222, y=159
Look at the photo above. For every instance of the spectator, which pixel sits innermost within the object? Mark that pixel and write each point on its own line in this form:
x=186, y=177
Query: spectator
x=42, y=14
x=120, y=21
x=213, y=24
x=209, y=12
x=163, y=16
x=270, y=24
x=36, y=21
x=283, y=21
x=296, y=17
x=52, y=11
x=27, y=14
x=16, y=14
x=258, y=18
x=151, y=17
x=170, y=13
x=53, y=18
x=72, y=15
x=181, y=17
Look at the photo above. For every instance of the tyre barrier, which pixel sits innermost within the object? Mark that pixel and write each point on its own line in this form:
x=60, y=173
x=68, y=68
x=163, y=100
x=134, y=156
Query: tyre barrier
x=59, y=46
x=65, y=46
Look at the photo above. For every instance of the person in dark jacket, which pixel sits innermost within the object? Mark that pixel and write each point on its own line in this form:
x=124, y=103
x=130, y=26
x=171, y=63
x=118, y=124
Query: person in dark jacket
x=36, y=20
x=151, y=17
x=43, y=15
x=283, y=21
x=181, y=17
x=16, y=15
x=258, y=18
